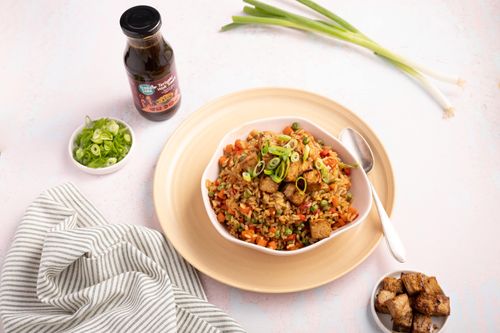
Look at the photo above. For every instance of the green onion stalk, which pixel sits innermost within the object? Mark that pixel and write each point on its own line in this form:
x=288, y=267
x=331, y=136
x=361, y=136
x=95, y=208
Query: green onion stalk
x=338, y=28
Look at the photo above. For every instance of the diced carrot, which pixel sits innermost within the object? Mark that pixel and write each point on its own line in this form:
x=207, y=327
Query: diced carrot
x=340, y=222
x=240, y=144
x=231, y=211
x=217, y=182
x=228, y=149
x=352, y=210
x=223, y=160
x=245, y=210
x=272, y=245
x=324, y=153
x=272, y=230
x=248, y=235
x=291, y=237
x=302, y=217
x=221, y=217
x=261, y=241
x=221, y=194
x=335, y=202
x=288, y=130
x=347, y=171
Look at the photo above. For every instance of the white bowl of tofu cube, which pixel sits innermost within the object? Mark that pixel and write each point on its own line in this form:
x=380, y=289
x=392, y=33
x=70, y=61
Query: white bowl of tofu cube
x=360, y=188
x=409, y=301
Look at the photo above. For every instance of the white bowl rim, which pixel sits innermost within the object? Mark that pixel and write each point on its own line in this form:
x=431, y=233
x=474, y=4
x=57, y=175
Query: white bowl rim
x=108, y=169
x=374, y=293
x=225, y=234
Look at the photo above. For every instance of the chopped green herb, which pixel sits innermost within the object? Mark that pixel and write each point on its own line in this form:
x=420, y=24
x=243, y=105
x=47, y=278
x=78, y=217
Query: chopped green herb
x=101, y=143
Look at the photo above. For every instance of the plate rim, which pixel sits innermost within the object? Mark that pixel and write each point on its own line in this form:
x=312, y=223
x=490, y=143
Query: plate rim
x=270, y=91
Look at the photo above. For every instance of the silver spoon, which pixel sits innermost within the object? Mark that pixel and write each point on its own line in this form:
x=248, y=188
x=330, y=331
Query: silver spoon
x=361, y=150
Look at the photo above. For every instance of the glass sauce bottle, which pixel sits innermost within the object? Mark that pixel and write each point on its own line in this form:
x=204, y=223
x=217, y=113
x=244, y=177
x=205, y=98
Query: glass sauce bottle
x=149, y=61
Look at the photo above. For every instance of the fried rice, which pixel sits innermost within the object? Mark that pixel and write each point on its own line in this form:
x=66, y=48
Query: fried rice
x=283, y=190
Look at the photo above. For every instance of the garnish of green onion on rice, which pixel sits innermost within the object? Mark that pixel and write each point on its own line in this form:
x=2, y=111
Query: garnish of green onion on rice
x=335, y=27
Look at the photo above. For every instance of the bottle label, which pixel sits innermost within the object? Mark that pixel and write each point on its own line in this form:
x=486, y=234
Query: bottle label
x=156, y=96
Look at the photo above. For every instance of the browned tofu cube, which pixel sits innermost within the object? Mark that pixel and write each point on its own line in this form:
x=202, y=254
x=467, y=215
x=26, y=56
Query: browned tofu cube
x=393, y=284
x=432, y=305
x=266, y=184
x=431, y=286
x=291, y=193
x=413, y=282
x=382, y=297
x=293, y=172
x=399, y=306
x=403, y=324
x=320, y=228
x=421, y=324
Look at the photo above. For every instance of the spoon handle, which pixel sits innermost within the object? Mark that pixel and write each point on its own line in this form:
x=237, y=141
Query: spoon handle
x=391, y=236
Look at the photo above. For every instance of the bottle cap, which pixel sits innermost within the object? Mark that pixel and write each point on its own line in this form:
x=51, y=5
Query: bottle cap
x=140, y=21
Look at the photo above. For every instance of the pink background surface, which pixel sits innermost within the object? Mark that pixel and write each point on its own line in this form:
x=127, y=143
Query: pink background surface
x=60, y=61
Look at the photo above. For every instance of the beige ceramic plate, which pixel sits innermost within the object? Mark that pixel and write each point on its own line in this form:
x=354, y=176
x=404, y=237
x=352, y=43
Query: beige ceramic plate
x=183, y=217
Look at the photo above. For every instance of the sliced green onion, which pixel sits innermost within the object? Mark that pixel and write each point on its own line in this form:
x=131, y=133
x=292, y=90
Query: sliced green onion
x=113, y=127
x=94, y=149
x=279, y=151
x=127, y=137
x=276, y=179
x=265, y=148
x=348, y=166
x=292, y=144
x=273, y=163
x=283, y=137
x=268, y=172
x=259, y=168
x=318, y=164
x=301, y=184
x=295, y=126
x=295, y=157
x=246, y=176
x=79, y=153
x=307, y=150
x=325, y=176
x=111, y=161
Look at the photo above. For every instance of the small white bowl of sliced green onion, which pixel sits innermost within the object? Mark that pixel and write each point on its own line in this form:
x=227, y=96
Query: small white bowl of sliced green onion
x=101, y=146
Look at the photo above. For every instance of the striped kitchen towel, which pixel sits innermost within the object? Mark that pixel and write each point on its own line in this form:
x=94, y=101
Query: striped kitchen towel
x=68, y=270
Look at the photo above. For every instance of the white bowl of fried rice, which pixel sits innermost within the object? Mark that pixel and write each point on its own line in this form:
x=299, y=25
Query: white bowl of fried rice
x=283, y=186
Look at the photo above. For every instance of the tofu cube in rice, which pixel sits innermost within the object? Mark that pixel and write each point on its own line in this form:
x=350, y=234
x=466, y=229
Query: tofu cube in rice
x=382, y=297
x=432, y=305
x=403, y=324
x=393, y=284
x=399, y=306
x=266, y=184
x=422, y=324
x=292, y=194
x=431, y=286
x=413, y=282
x=320, y=228
x=293, y=172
